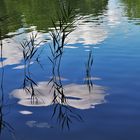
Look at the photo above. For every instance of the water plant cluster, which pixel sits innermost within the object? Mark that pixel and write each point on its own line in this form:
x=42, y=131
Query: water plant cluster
x=29, y=50
x=59, y=33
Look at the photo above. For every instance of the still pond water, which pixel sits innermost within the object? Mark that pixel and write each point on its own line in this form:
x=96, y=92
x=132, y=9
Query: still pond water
x=102, y=99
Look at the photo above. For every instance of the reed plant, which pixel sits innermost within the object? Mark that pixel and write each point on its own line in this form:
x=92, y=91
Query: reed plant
x=3, y=123
x=60, y=32
x=89, y=63
x=61, y=29
x=29, y=50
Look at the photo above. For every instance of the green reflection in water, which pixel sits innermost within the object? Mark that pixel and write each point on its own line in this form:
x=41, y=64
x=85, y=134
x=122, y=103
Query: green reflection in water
x=26, y=13
x=132, y=8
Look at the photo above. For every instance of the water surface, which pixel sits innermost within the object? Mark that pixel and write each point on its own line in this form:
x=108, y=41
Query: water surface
x=110, y=28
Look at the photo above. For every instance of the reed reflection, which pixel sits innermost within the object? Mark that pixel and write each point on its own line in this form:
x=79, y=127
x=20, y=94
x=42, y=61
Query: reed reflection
x=3, y=123
x=89, y=63
x=62, y=29
x=29, y=50
x=65, y=99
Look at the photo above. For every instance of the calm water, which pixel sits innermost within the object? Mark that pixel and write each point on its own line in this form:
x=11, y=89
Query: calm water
x=111, y=110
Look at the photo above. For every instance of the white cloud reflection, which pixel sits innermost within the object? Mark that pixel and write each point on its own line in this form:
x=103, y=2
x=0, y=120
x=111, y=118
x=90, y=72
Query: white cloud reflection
x=77, y=95
x=25, y=112
x=38, y=124
x=88, y=33
x=11, y=52
x=114, y=13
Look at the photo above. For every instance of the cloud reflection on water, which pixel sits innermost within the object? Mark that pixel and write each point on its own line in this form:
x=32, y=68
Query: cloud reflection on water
x=77, y=96
x=38, y=124
x=88, y=33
